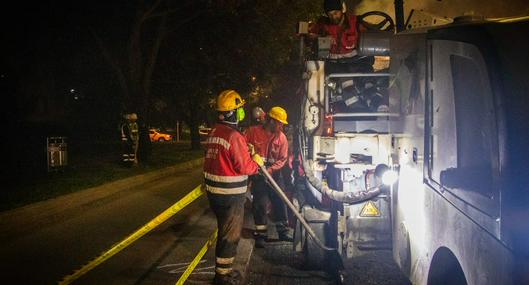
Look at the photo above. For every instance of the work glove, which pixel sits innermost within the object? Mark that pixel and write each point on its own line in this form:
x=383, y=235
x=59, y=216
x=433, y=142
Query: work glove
x=251, y=149
x=258, y=159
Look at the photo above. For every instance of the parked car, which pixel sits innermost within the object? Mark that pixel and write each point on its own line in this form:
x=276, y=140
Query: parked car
x=155, y=135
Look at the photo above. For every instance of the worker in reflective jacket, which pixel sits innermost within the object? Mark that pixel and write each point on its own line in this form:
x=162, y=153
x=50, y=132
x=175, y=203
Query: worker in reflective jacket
x=271, y=144
x=226, y=168
x=129, y=139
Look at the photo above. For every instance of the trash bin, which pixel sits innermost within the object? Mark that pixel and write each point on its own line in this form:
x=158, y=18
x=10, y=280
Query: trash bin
x=57, y=153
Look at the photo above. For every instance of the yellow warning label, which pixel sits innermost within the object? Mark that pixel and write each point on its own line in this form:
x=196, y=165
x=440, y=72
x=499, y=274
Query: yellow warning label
x=370, y=210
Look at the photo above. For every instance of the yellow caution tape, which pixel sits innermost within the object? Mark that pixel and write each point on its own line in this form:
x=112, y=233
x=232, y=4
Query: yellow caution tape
x=197, y=258
x=165, y=215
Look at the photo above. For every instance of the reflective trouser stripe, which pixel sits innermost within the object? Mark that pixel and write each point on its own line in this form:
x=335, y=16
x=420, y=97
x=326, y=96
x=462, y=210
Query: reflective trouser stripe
x=223, y=271
x=224, y=265
x=261, y=231
x=261, y=227
x=128, y=157
x=225, y=260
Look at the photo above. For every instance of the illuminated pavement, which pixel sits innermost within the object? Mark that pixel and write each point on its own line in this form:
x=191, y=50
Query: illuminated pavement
x=279, y=265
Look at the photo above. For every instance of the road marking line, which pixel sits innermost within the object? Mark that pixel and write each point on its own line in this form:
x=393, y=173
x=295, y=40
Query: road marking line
x=178, y=264
x=196, y=271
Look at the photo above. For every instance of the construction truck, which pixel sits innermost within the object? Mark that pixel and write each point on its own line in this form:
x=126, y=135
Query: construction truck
x=447, y=110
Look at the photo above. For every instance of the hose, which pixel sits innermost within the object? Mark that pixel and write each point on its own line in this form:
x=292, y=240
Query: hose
x=339, y=196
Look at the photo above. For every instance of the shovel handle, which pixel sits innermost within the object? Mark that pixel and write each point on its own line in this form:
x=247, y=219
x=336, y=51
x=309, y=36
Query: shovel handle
x=293, y=209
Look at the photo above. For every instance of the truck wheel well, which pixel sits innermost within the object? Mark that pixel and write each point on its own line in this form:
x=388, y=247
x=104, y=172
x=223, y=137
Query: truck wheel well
x=445, y=269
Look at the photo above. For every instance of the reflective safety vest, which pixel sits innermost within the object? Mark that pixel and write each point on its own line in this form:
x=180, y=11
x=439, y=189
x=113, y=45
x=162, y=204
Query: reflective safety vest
x=273, y=148
x=129, y=132
x=134, y=133
x=227, y=163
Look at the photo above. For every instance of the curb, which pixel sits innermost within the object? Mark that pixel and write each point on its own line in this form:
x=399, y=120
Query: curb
x=19, y=221
x=244, y=255
x=246, y=246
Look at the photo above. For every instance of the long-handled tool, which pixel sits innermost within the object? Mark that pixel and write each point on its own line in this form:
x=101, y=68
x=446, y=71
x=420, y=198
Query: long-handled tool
x=333, y=251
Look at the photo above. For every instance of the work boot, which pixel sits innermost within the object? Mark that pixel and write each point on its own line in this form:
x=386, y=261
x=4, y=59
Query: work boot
x=285, y=235
x=260, y=241
x=232, y=278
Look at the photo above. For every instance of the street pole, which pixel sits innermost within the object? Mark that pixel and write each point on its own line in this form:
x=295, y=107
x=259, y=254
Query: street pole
x=177, y=131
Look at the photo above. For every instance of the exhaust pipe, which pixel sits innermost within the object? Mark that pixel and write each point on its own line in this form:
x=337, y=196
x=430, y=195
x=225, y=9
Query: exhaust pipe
x=399, y=15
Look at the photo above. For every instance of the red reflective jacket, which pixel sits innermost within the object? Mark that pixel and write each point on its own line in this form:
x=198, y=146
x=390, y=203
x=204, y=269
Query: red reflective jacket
x=345, y=38
x=228, y=162
x=273, y=148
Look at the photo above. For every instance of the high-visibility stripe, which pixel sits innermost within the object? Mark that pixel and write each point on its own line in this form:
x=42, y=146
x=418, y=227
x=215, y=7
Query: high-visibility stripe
x=218, y=265
x=219, y=178
x=225, y=260
x=227, y=185
x=260, y=227
x=219, y=141
x=226, y=191
x=223, y=271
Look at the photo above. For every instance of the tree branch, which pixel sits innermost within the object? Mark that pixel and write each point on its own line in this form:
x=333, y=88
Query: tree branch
x=151, y=63
x=115, y=66
x=151, y=10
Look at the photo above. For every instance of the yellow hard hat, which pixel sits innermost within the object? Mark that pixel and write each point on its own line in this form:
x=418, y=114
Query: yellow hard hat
x=279, y=114
x=229, y=100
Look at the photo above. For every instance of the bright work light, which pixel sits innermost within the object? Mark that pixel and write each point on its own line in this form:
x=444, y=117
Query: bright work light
x=389, y=177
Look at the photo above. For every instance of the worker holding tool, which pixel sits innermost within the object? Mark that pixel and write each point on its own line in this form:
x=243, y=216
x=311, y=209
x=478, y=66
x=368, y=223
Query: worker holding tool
x=226, y=168
x=269, y=141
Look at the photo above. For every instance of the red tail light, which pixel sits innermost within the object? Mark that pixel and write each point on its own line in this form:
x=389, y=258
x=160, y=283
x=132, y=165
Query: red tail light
x=328, y=126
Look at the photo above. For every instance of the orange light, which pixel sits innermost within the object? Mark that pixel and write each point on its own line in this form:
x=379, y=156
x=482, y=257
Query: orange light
x=328, y=126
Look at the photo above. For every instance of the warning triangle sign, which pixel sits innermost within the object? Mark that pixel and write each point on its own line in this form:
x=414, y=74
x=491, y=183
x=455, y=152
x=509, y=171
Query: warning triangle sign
x=370, y=210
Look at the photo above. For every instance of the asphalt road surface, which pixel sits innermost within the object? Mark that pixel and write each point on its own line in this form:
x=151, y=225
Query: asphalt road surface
x=48, y=252
x=59, y=242
x=278, y=264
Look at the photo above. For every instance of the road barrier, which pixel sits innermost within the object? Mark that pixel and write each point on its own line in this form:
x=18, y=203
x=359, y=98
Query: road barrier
x=164, y=216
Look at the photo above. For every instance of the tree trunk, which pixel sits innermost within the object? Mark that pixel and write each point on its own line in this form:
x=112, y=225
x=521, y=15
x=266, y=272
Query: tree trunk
x=195, y=136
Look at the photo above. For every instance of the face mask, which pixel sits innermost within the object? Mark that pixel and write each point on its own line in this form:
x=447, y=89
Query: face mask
x=240, y=114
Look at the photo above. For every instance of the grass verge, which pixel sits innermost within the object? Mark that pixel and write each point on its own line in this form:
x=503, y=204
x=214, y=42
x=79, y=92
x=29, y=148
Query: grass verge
x=88, y=167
